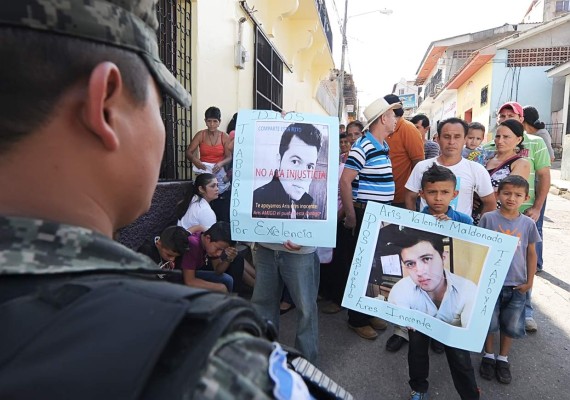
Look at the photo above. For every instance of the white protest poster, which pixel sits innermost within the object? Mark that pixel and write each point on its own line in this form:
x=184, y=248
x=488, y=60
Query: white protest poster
x=285, y=178
x=449, y=277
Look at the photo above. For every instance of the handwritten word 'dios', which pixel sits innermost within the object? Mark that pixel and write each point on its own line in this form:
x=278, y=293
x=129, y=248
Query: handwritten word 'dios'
x=263, y=228
x=365, y=229
x=272, y=115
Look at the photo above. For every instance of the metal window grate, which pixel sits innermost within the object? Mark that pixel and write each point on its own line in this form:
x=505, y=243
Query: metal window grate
x=540, y=56
x=462, y=53
x=174, y=17
x=268, y=75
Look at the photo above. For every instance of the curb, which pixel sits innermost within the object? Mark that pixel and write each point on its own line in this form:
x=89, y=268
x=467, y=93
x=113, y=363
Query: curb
x=560, y=191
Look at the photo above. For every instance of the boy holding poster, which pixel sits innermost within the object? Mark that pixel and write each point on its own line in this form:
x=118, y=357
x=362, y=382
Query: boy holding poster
x=431, y=289
x=509, y=314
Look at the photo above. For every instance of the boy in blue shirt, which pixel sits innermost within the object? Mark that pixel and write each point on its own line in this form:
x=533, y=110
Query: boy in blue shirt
x=509, y=315
x=438, y=190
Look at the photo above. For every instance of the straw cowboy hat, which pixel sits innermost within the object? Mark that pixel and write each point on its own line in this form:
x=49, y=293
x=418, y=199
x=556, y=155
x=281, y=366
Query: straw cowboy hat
x=376, y=109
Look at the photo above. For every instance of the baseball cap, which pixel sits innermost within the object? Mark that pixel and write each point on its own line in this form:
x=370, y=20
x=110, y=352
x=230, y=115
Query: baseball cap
x=127, y=24
x=516, y=107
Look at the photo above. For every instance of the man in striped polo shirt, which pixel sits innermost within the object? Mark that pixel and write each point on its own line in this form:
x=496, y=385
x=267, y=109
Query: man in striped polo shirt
x=368, y=160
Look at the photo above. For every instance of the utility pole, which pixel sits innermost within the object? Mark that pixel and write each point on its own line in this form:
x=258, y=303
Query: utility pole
x=384, y=11
x=341, y=74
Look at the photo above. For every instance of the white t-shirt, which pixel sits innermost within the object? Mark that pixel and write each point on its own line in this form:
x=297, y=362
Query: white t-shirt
x=199, y=213
x=471, y=177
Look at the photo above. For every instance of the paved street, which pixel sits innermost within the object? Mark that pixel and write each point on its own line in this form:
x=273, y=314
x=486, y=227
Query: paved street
x=540, y=362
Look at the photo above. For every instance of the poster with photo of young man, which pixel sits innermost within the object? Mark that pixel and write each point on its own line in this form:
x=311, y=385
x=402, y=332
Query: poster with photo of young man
x=441, y=278
x=285, y=188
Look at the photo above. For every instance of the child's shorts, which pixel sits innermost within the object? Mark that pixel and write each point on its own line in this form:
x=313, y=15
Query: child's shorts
x=509, y=313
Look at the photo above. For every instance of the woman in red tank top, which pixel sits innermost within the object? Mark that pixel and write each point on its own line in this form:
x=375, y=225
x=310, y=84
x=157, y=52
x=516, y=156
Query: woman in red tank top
x=212, y=144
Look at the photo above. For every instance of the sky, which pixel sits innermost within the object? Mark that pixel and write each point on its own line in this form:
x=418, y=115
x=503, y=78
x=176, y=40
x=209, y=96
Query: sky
x=382, y=49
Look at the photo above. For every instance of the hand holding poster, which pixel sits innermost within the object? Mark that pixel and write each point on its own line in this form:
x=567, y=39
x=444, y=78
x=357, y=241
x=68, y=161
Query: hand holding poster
x=283, y=187
x=450, y=276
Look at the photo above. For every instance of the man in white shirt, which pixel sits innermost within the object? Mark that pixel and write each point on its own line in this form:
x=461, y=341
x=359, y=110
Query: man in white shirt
x=471, y=176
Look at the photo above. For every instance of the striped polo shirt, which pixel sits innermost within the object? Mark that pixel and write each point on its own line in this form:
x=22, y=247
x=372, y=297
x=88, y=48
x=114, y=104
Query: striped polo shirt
x=375, y=180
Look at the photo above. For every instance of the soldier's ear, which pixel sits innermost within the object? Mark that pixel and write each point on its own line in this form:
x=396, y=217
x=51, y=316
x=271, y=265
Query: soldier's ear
x=105, y=92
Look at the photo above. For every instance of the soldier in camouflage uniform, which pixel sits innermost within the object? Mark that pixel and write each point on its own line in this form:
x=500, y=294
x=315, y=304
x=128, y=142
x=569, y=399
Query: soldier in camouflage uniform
x=81, y=142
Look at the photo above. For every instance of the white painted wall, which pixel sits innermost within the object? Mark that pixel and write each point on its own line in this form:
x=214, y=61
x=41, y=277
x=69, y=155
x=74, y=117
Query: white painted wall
x=215, y=79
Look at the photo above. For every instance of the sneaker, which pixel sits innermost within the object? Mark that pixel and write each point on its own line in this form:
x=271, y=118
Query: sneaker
x=365, y=332
x=419, y=396
x=436, y=346
x=487, y=368
x=530, y=325
x=503, y=372
x=395, y=343
x=378, y=324
x=331, y=308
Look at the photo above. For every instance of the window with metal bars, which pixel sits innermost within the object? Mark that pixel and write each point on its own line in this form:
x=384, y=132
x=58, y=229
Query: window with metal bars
x=562, y=6
x=268, y=75
x=484, y=95
x=174, y=17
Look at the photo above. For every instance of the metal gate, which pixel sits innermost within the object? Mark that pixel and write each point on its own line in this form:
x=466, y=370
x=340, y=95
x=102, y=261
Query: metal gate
x=174, y=17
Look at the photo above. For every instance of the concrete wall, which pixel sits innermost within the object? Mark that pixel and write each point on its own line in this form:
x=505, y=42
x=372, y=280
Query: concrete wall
x=529, y=87
x=295, y=31
x=160, y=215
x=469, y=95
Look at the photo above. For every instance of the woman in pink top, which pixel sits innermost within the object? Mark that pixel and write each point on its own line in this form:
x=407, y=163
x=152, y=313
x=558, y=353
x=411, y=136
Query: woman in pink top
x=212, y=143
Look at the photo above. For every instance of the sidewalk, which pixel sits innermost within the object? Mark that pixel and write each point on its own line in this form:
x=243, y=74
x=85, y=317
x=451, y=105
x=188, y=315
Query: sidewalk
x=558, y=186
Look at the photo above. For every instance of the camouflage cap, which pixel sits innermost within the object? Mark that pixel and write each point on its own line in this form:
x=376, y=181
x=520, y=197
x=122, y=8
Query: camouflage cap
x=128, y=24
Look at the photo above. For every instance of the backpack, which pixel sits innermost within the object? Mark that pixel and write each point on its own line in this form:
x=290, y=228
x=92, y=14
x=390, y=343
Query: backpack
x=123, y=337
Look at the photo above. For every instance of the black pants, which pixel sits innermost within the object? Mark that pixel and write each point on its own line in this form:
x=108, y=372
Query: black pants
x=355, y=318
x=459, y=362
x=335, y=274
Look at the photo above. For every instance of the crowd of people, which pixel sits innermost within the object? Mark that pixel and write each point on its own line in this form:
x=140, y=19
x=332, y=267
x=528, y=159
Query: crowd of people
x=390, y=160
x=66, y=137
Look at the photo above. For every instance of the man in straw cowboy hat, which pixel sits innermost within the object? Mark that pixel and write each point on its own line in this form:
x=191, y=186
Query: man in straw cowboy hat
x=368, y=159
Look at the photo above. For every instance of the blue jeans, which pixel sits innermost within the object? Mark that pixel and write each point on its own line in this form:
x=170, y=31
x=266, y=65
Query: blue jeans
x=211, y=276
x=508, y=315
x=300, y=272
x=528, y=310
x=539, y=223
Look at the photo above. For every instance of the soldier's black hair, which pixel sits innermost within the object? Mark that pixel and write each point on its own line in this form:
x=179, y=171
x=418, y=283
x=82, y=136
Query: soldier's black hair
x=38, y=68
